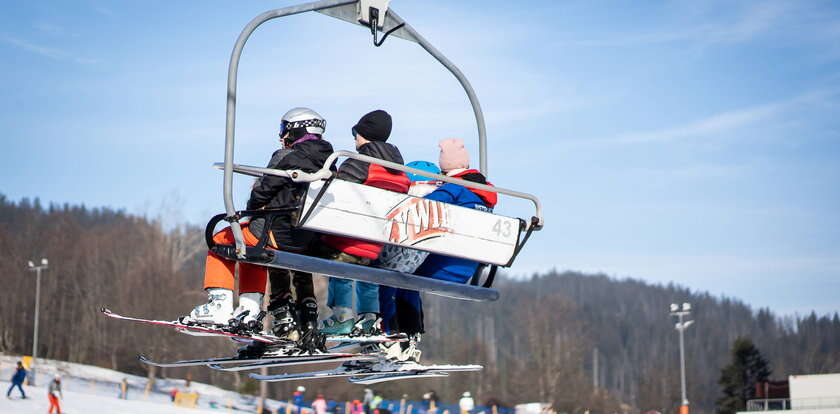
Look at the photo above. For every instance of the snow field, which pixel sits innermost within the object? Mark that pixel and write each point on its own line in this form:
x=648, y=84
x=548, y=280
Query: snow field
x=90, y=389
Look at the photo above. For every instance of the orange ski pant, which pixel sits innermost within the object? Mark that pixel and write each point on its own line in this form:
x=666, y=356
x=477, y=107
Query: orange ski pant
x=218, y=271
x=54, y=404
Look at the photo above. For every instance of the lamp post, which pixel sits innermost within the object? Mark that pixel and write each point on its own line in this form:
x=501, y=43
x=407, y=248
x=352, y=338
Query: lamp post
x=37, y=269
x=682, y=325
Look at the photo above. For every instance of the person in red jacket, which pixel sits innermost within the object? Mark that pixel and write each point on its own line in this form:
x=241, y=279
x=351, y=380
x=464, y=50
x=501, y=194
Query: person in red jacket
x=371, y=133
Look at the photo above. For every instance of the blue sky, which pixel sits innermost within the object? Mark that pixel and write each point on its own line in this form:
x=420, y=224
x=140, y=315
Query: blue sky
x=695, y=142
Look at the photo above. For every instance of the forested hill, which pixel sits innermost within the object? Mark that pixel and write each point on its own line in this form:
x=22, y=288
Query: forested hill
x=543, y=333
x=537, y=342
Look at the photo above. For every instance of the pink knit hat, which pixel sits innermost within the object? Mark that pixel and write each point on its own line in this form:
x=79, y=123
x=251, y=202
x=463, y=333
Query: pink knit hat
x=453, y=155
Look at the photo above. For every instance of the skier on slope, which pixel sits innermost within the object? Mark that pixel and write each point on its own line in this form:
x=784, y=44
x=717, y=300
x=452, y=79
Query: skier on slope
x=17, y=381
x=466, y=403
x=302, y=130
x=297, y=398
x=454, y=162
x=54, y=394
x=370, y=133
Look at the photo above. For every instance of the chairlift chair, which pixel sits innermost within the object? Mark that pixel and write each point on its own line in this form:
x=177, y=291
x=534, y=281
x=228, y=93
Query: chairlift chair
x=368, y=213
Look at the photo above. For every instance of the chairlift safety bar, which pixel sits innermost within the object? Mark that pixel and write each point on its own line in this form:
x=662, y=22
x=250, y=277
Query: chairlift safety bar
x=325, y=173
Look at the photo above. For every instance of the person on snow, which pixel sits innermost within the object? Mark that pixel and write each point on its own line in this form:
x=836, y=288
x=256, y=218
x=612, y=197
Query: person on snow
x=320, y=404
x=454, y=162
x=302, y=130
x=370, y=133
x=367, y=400
x=466, y=403
x=403, y=259
x=54, y=393
x=297, y=398
x=17, y=381
x=375, y=403
x=356, y=407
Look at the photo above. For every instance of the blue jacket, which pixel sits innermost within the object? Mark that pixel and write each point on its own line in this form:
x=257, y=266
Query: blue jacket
x=20, y=375
x=448, y=268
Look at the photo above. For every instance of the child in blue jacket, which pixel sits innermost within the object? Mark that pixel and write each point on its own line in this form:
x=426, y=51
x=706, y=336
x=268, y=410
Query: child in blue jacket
x=454, y=162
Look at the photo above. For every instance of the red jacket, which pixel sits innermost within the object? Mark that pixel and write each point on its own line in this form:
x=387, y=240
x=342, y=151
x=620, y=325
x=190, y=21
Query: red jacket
x=375, y=176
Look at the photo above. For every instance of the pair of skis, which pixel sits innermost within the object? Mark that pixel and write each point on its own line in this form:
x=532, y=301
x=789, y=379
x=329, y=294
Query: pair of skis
x=362, y=368
x=203, y=330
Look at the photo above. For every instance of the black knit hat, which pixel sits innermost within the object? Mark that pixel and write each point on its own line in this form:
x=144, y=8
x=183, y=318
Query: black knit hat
x=374, y=126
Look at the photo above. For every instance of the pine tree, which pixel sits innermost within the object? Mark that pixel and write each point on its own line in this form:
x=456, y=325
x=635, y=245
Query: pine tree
x=739, y=378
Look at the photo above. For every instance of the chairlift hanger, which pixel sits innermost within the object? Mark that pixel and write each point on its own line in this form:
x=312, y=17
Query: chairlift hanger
x=376, y=15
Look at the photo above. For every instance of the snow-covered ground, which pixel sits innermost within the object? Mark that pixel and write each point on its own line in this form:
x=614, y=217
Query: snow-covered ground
x=89, y=389
x=77, y=402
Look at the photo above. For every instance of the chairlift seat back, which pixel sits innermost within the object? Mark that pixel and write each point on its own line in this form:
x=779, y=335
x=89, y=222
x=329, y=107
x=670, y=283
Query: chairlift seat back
x=377, y=215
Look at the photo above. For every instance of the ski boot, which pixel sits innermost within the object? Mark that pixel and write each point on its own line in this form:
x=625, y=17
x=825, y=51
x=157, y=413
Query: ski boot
x=247, y=318
x=308, y=314
x=216, y=312
x=312, y=341
x=402, y=352
x=341, y=322
x=367, y=324
x=254, y=350
x=285, y=323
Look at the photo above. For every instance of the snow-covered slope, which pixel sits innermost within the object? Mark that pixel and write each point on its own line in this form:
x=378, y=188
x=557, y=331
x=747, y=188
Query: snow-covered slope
x=79, y=402
x=89, y=389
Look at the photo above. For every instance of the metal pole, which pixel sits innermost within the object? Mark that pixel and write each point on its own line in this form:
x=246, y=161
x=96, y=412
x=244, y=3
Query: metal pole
x=682, y=360
x=476, y=106
x=230, y=119
x=35, y=334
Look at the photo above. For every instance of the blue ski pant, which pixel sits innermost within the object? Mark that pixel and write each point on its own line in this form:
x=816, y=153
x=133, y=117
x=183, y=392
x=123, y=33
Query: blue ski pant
x=402, y=310
x=340, y=293
x=15, y=384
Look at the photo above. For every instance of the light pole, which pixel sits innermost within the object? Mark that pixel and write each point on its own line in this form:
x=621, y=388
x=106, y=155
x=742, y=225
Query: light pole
x=681, y=326
x=37, y=269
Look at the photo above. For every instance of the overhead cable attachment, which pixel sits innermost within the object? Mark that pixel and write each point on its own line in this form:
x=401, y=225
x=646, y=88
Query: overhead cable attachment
x=372, y=13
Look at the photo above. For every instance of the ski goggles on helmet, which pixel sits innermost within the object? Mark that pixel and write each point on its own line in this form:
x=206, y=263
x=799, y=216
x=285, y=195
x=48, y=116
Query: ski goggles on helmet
x=286, y=126
x=353, y=132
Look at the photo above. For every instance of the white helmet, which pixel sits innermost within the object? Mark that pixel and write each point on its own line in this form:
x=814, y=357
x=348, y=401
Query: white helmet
x=302, y=118
x=301, y=388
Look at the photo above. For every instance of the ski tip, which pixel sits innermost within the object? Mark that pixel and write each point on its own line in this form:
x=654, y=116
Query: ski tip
x=105, y=310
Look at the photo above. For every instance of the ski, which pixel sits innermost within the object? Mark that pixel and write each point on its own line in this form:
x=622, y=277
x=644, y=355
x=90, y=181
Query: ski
x=200, y=330
x=236, y=360
x=399, y=337
x=197, y=330
x=375, y=379
x=384, y=371
x=316, y=359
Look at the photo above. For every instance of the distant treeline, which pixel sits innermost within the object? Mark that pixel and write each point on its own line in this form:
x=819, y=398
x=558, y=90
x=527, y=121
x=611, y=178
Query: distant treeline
x=538, y=342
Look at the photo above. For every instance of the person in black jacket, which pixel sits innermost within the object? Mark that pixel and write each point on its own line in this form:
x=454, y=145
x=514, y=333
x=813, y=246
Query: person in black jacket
x=306, y=150
x=370, y=134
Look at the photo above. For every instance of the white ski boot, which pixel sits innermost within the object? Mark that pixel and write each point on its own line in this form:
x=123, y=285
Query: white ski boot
x=217, y=310
x=249, y=314
x=402, y=352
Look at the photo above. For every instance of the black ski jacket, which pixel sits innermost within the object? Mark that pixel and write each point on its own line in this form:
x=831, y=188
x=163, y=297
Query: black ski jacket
x=357, y=171
x=272, y=192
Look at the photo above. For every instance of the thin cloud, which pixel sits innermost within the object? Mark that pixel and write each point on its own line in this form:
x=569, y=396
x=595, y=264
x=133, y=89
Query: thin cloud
x=48, y=52
x=754, y=22
x=722, y=122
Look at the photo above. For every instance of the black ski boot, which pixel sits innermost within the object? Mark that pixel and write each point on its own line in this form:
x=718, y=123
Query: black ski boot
x=311, y=341
x=285, y=323
x=254, y=350
x=308, y=314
